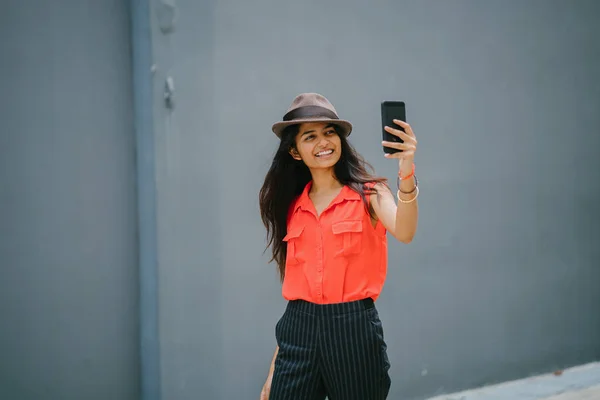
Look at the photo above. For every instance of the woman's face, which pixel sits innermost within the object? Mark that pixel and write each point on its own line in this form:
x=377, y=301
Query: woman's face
x=318, y=145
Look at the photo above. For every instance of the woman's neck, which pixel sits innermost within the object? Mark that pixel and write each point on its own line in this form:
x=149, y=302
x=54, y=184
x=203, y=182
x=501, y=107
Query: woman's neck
x=324, y=181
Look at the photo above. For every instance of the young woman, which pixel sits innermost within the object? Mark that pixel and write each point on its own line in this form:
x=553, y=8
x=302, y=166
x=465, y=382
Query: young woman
x=326, y=218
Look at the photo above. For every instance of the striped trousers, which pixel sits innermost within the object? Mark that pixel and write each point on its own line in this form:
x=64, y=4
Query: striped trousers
x=330, y=350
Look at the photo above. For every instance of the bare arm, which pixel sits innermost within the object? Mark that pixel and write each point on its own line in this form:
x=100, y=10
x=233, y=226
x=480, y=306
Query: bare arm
x=273, y=362
x=400, y=220
x=266, y=390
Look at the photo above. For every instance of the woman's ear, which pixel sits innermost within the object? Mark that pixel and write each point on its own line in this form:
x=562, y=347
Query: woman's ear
x=295, y=155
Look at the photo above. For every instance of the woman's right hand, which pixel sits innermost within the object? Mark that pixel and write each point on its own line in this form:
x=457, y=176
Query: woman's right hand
x=266, y=390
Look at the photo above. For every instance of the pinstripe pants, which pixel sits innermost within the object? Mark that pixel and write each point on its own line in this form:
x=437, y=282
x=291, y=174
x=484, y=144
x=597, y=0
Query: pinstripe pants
x=333, y=350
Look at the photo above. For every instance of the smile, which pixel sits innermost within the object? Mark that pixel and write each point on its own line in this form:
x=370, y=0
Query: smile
x=324, y=153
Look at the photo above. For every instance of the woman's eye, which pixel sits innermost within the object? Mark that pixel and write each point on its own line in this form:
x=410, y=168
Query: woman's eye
x=309, y=137
x=331, y=132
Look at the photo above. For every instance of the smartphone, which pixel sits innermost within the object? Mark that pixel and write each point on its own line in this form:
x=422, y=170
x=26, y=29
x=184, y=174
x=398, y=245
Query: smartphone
x=391, y=110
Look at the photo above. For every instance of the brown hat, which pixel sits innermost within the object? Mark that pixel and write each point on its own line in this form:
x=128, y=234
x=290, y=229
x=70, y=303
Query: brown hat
x=311, y=107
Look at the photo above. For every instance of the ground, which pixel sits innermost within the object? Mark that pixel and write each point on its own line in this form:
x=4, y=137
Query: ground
x=578, y=383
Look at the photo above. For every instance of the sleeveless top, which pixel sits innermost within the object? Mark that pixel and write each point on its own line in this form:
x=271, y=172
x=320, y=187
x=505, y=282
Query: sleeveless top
x=337, y=256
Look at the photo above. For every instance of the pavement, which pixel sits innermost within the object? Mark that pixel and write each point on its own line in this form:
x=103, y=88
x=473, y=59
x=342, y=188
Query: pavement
x=592, y=393
x=577, y=383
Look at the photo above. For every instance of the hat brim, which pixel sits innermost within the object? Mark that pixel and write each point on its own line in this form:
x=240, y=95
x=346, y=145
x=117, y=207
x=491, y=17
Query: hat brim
x=345, y=126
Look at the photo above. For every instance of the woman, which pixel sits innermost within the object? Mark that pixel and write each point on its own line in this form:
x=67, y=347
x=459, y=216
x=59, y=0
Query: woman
x=326, y=220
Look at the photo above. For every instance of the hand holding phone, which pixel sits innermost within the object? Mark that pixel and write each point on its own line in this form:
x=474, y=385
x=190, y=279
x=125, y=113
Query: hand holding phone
x=391, y=110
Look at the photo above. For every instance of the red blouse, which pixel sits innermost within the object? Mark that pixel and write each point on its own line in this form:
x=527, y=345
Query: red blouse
x=335, y=257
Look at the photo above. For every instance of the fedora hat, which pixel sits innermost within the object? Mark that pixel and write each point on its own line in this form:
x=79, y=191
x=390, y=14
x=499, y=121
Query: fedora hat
x=311, y=107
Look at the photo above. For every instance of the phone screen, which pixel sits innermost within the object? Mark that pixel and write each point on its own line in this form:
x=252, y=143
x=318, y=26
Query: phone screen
x=391, y=110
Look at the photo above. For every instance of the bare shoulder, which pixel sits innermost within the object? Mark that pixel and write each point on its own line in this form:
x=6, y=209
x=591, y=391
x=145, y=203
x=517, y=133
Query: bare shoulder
x=380, y=192
x=384, y=206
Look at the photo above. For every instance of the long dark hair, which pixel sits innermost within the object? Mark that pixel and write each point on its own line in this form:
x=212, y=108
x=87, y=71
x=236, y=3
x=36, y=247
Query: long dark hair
x=287, y=179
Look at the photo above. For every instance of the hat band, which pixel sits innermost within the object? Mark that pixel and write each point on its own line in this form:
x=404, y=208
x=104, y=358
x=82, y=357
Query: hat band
x=309, y=111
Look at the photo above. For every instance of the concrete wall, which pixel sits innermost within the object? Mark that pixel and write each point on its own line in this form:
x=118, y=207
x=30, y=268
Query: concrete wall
x=68, y=275
x=501, y=280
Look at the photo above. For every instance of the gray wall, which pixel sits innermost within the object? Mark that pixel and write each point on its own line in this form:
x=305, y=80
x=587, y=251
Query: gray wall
x=502, y=280
x=68, y=275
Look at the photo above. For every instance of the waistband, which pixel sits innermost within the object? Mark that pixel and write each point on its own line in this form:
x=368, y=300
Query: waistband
x=307, y=307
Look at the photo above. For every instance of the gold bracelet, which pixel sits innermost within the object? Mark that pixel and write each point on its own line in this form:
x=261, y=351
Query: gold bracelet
x=416, y=181
x=408, y=201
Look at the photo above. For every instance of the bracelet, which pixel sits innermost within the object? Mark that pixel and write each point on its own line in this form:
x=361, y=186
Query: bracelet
x=408, y=201
x=414, y=188
x=409, y=175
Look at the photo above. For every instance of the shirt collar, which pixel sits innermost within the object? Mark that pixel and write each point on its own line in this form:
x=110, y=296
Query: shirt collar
x=304, y=202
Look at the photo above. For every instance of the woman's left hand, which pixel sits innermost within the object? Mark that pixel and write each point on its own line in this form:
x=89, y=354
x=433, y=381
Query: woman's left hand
x=409, y=147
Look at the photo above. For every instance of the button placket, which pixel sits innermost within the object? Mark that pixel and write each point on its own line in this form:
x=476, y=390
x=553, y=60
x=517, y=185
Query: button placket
x=320, y=261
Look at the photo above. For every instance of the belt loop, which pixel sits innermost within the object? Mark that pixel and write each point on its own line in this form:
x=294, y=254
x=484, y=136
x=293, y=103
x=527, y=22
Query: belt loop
x=368, y=303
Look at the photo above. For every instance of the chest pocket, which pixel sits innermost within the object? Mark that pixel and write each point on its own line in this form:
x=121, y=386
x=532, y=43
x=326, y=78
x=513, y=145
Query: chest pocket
x=294, y=246
x=348, y=237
